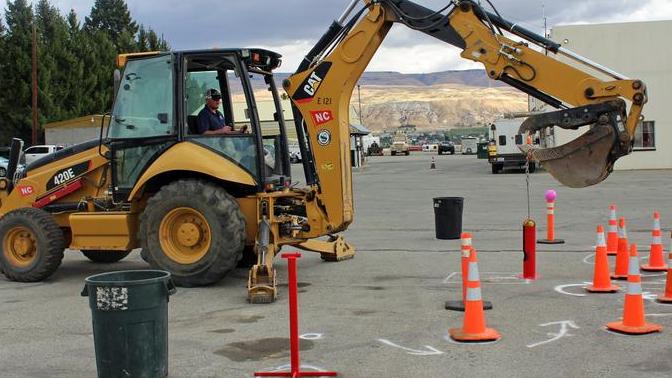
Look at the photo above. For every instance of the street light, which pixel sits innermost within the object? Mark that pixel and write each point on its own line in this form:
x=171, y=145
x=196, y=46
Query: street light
x=359, y=99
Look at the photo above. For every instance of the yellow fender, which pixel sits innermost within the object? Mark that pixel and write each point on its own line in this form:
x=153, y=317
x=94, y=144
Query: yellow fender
x=188, y=156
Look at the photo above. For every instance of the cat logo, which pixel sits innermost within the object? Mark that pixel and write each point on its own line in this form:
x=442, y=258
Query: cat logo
x=327, y=166
x=311, y=84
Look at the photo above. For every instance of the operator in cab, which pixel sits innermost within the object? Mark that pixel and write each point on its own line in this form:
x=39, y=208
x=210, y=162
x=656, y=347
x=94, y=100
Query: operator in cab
x=210, y=120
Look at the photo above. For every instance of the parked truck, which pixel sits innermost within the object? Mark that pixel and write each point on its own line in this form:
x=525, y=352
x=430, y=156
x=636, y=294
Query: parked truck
x=503, y=151
x=400, y=145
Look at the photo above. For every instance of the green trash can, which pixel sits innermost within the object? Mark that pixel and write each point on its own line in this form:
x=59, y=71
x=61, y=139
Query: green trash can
x=482, y=150
x=129, y=310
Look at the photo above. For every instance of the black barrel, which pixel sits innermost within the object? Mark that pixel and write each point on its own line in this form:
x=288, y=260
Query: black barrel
x=130, y=322
x=448, y=217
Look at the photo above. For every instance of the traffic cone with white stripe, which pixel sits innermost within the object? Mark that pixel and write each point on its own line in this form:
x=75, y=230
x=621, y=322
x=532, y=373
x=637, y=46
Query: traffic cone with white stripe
x=667, y=296
x=601, y=281
x=433, y=165
x=621, y=268
x=656, y=259
x=465, y=251
x=634, y=322
x=612, y=233
x=473, y=326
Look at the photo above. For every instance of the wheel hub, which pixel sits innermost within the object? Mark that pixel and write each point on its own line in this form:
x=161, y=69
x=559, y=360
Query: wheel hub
x=20, y=246
x=185, y=235
x=188, y=234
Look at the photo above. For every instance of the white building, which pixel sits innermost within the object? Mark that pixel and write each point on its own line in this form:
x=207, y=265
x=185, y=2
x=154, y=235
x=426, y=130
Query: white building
x=638, y=50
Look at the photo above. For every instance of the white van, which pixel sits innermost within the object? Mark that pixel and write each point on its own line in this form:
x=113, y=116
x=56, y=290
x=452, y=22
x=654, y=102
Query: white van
x=469, y=145
x=33, y=153
x=503, y=151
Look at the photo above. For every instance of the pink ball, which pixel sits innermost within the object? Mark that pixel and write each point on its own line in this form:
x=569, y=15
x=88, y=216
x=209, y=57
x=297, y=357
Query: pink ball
x=550, y=195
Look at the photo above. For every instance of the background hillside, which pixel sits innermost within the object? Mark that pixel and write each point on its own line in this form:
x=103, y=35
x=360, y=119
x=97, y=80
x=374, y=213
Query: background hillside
x=439, y=100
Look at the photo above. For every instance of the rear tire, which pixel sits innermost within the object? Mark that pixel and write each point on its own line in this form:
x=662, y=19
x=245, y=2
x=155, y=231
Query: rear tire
x=32, y=245
x=193, y=229
x=532, y=167
x=495, y=168
x=104, y=257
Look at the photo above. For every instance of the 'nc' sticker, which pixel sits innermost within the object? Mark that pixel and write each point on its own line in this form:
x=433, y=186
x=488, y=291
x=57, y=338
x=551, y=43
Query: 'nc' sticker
x=321, y=116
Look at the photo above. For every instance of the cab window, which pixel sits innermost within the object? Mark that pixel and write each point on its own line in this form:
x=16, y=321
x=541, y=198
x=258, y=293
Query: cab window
x=223, y=74
x=144, y=103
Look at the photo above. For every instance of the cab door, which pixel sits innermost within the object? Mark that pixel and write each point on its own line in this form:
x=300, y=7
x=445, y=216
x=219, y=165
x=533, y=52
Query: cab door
x=143, y=123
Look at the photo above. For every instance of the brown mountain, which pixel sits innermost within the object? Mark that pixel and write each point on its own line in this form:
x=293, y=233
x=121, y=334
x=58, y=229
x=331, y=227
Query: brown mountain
x=439, y=100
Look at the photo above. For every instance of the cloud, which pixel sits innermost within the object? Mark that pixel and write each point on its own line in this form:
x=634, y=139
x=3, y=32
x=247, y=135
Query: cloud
x=291, y=27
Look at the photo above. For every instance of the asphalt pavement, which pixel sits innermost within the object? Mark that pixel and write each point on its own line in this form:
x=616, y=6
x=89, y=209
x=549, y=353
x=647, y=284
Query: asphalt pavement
x=382, y=313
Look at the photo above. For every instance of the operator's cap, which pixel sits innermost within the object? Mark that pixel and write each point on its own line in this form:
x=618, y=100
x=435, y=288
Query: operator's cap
x=213, y=93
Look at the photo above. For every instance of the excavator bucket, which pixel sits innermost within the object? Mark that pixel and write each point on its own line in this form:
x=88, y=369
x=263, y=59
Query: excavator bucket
x=588, y=159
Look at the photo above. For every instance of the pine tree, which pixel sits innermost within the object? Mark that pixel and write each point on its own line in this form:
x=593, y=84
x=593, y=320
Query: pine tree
x=55, y=62
x=16, y=96
x=155, y=43
x=142, y=39
x=114, y=18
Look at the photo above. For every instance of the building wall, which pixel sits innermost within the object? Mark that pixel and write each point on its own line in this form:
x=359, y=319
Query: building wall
x=638, y=50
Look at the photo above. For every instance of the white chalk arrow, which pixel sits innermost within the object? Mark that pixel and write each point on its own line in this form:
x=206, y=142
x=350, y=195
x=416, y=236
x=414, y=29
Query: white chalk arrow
x=416, y=352
x=561, y=289
x=564, y=331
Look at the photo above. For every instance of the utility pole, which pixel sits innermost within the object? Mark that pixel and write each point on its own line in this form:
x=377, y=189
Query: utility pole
x=359, y=99
x=34, y=134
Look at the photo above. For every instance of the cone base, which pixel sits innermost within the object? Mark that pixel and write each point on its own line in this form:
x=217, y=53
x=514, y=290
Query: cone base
x=650, y=268
x=489, y=334
x=533, y=278
x=608, y=289
x=641, y=330
x=459, y=305
x=664, y=299
x=547, y=241
x=612, y=253
x=618, y=276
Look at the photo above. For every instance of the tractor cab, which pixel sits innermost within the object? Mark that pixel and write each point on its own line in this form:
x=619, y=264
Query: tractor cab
x=159, y=97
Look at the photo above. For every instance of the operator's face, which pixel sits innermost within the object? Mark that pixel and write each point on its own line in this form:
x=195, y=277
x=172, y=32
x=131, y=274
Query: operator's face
x=213, y=103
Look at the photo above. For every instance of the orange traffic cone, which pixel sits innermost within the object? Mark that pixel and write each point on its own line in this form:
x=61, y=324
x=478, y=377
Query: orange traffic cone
x=473, y=326
x=612, y=234
x=667, y=296
x=633, y=321
x=656, y=259
x=621, y=268
x=601, y=280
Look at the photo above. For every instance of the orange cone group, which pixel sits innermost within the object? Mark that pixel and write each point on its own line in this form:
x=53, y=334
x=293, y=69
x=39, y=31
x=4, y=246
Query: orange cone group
x=633, y=310
x=621, y=268
x=473, y=326
x=601, y=281
x=612, y=233
x=656, y=256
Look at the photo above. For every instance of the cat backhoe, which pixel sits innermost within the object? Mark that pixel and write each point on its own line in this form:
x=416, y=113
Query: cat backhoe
x=198, y=205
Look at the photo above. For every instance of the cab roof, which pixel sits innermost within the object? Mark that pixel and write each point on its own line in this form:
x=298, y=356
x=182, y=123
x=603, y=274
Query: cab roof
x=265, y=59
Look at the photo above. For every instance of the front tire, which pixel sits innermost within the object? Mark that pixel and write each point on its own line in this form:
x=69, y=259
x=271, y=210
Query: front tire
x=193, y=229
x=32, y=245
x=104, y=257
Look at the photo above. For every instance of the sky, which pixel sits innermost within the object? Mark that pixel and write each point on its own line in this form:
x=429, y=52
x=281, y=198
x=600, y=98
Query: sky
x=291, y=27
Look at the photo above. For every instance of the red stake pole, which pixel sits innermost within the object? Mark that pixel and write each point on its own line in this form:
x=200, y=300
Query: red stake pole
x=529, y=250
x=295, y=361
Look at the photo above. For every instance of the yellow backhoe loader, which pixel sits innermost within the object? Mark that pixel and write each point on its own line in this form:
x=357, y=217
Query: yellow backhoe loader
x=199, y=204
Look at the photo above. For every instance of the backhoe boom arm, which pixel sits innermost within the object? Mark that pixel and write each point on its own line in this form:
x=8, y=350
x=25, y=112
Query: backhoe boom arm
x=322, y=87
